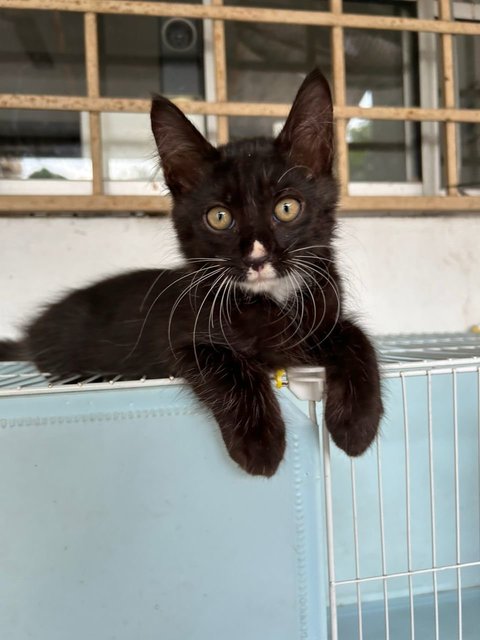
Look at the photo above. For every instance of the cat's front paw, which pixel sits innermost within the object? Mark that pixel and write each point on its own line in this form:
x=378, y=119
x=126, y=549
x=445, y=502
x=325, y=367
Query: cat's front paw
x=352, y=419
x=258, y=452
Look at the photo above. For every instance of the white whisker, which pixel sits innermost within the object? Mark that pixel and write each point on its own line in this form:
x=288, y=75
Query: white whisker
x=147, y=315
x=333, y=285
x=297, y=166
x=187, y=291
x=196, y=322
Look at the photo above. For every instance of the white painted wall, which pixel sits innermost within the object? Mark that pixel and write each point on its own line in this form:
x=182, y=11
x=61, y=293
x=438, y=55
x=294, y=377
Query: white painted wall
x=403, y=274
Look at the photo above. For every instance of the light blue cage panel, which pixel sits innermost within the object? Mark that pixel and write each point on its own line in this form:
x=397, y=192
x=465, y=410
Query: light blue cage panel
x=135, y=521
x=122, y=516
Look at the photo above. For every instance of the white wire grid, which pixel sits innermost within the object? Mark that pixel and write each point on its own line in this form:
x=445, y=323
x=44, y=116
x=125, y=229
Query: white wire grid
x=407, y=360
x=404, y=359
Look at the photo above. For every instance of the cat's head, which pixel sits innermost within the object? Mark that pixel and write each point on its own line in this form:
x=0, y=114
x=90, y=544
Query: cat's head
x=259, y=210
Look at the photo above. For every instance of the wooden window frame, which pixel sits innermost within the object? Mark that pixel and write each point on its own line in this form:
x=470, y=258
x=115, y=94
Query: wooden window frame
x=448, y=115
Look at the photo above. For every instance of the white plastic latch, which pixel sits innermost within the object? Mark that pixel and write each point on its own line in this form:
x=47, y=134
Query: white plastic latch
x=307, y=383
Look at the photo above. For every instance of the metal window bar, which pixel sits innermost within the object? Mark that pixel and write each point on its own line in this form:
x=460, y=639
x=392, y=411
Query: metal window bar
x=449, y=100
x=93, y=90
x=335, y=18
x=430, y=130
x=220, y=73
x=339, y=97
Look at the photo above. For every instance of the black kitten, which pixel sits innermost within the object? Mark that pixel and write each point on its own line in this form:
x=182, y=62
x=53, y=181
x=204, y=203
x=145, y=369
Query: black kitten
x=260, y=290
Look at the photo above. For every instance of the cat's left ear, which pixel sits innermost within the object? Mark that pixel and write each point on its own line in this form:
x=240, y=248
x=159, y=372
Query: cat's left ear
x=307, y=137
x=184, y=152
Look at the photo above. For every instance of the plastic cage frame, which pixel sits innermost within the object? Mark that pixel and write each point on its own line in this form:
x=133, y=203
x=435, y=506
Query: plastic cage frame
x=421, y=361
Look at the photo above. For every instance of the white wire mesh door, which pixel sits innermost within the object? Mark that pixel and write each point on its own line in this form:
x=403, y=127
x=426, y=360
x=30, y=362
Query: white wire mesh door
x=403, y=521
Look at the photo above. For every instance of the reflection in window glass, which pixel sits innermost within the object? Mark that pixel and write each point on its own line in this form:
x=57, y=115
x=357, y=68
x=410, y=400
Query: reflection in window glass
x=129, y=151
x=369, y=7
x=467, y=49
x=42, y=52
x=128, y=147
x=140, y=55
x=470, y=153
x=43, y=145
x=380, y=151
x=381, y=7
x=300, y=5
x=248, y=127
x=384, y=63
x=267, y=62
x=382, y=70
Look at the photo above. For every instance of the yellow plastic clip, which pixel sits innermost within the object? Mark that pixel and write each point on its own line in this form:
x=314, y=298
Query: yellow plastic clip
x=475, y=328
x=279, y=373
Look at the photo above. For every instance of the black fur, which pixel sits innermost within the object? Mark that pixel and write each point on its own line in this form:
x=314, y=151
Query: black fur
x=200, y=322
x=10, y=350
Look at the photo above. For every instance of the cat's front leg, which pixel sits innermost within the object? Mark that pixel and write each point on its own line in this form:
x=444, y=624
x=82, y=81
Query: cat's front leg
x=353, y=406
x=239, y=393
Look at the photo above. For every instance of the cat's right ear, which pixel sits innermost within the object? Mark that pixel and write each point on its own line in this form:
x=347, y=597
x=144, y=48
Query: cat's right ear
x=184, y=152
x=307, y=137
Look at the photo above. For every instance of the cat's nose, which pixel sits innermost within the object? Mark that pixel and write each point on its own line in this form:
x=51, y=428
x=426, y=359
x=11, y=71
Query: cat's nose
x=256, y=264
x=257, y=257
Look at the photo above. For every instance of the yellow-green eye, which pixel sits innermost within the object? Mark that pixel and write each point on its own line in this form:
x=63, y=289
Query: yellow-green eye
x=219, y=218
x=287, y=209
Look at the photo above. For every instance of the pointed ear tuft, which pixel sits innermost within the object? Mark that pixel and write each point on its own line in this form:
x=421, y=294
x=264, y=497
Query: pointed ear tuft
x=307, y=137
x=184, y=152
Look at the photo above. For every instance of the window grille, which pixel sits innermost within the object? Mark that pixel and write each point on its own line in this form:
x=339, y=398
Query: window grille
x=449, y=118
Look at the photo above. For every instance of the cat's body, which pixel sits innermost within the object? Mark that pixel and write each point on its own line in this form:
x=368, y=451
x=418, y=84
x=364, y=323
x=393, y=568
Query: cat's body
x=118, y=325
x=259, y=291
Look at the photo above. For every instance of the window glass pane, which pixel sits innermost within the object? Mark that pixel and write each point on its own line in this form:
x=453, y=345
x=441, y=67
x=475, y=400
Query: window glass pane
x=43, y=145
x=128, y=147
x=383, y=151
x=267, y=62
x=129, y=151
x=42, y=52
x=300, y=5
x=140, y=55
x=467, y=50
x=470, y=153
x=247, y=127
x=381, y=68
x=370, y=7
x=381, y=7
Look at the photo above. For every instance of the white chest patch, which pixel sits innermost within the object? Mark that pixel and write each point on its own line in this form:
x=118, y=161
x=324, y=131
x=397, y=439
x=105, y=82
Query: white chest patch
x=279, y=289
x=265, y=280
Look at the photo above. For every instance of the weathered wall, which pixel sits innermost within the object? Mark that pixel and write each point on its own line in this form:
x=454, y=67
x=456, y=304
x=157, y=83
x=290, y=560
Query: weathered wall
x=403, y=274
